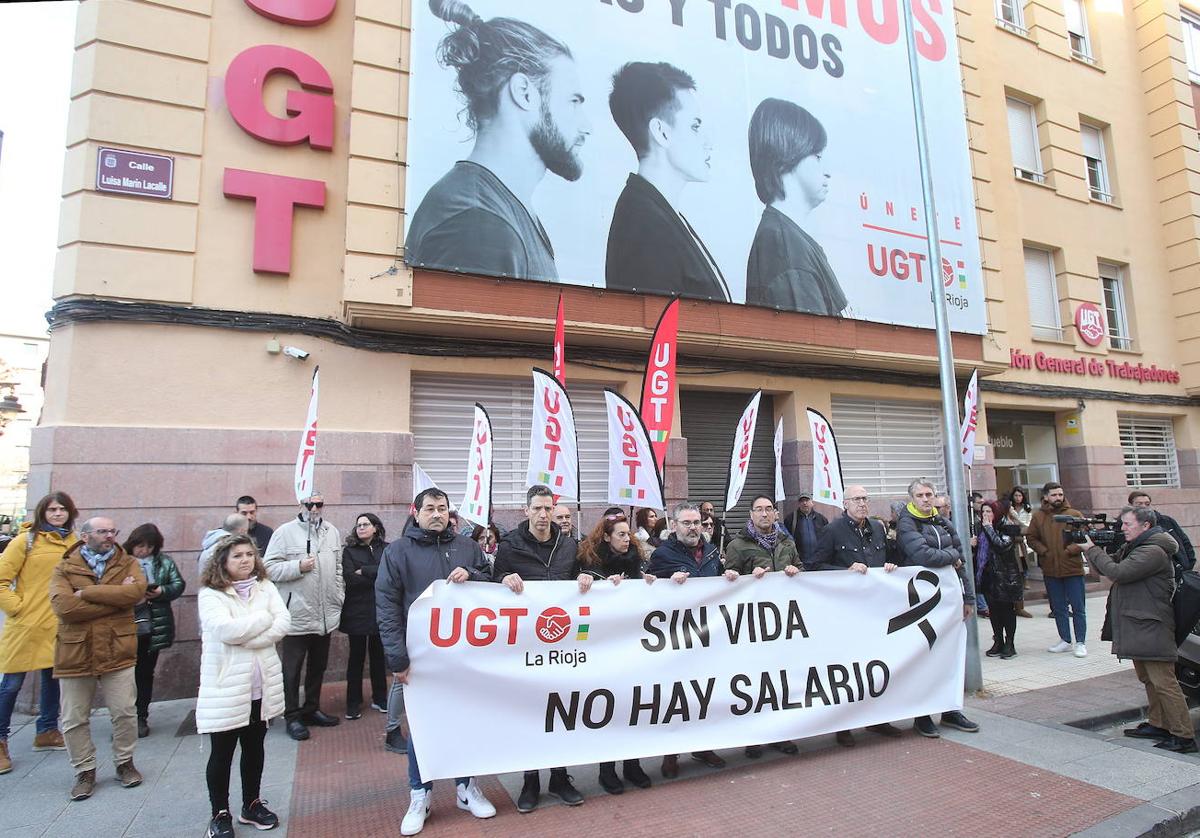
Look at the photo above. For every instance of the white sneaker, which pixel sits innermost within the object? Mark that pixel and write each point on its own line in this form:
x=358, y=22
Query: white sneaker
x=1061, y=646
x=470, y=797
x=1080, y=650
x=418, y=810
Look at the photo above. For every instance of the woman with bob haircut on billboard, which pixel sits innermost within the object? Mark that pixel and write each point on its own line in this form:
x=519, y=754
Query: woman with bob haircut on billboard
x=787, y=269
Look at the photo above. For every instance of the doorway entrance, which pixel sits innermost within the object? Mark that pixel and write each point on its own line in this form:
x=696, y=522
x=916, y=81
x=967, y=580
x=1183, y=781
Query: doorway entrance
x=1025, y=450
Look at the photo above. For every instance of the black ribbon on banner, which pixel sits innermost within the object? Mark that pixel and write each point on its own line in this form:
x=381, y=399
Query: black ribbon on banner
x=917, y=609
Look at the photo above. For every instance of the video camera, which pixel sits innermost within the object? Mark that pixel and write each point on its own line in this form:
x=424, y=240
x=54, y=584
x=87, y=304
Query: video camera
x=1103, y=532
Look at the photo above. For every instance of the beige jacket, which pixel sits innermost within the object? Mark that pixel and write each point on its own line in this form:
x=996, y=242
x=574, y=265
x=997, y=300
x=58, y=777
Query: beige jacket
x=313, y=599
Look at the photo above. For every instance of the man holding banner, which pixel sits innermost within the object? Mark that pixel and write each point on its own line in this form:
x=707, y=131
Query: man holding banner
x=537, y=550
x=427, y=552
x=927, y=539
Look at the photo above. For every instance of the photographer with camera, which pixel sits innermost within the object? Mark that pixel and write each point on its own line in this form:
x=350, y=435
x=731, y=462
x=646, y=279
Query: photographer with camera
x=1062, y=568
x=1141, y=624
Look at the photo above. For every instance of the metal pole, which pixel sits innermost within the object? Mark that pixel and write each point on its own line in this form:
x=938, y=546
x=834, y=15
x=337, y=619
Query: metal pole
x=950, y=420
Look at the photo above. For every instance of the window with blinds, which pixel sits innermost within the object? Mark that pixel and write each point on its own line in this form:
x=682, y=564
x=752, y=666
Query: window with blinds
x=1077, y=32
x=1149, y=448
x=1010, y=15
x=883, y=445
x=1022, y=135
x=1092, y=139
x=1043, y=294
x=443, y=410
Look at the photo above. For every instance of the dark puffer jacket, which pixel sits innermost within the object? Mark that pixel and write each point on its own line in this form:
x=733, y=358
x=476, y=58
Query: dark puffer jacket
x=627, y=565
x=535, y=561
x=1139, y=604
x=672, y=557
x=1001, y=579
x=843, y=543
x=358, y=611
x=158, y=612
x=931, y=542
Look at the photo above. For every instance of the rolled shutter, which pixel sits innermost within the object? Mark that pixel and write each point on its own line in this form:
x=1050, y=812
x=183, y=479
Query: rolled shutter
x=884, y=445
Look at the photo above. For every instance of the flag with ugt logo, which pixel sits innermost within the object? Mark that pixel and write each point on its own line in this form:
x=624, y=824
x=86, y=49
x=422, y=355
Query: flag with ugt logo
x=970, y=420
x=633, y=478
x=477, y=503
x=553, y=449
x=827, y=465
x=739, y=456
x=306, y=456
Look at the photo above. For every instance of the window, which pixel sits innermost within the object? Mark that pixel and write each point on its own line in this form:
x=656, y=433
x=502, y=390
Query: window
x=1113, y=281
x=1149, y=448
x=1077, y=32
x=443, y=409
x=883, y=445
x=1011, y=16
x=1022, y=134
x=1191, y=44
x=1094, y=160
x=1043, y=294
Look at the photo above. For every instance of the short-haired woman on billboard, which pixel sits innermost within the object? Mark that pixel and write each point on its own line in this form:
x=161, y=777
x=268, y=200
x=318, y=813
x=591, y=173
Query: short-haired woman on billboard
x=787, y=269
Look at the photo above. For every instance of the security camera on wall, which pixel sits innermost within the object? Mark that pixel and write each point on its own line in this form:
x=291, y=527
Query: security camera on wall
x=293, y=352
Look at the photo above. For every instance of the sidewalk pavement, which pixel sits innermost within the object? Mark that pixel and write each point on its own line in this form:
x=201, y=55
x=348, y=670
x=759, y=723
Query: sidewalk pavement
x=1050, y=760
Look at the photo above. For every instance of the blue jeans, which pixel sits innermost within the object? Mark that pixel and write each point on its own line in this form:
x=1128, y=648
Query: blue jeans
x=414, y=772
x=11, y=684
x=980, y=602
x=1064, y=592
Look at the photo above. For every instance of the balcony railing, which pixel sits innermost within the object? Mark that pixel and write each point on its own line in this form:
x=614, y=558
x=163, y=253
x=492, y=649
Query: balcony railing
x=1029, y=174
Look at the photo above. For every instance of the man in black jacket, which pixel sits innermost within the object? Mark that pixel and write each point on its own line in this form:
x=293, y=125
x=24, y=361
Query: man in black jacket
x=537, y=550
x=247, y=507
x=651, y=245
x=1185, y=556
x=683, y=555
x=805, y=525
x=427, y=552
x=926, y=539
x=854, y=542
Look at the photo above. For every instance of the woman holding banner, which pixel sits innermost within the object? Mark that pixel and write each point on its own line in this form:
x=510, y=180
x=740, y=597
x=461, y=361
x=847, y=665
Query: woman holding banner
x=611, y=552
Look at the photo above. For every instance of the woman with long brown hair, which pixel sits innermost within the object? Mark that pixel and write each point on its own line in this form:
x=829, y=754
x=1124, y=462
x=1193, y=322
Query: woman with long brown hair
x=611, y=552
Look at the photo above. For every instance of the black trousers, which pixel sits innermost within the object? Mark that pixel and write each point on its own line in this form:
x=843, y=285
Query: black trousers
x=294, y=650
x=1004, y=620
x=220, y=760
x=143, y=675
x=360, y=646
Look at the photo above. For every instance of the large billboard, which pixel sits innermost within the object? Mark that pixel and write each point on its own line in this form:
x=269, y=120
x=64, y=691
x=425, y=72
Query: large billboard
x=760, y=152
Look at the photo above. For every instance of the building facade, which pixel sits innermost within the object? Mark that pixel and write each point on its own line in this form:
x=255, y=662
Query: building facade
x=1086, y=171
x=21, y=361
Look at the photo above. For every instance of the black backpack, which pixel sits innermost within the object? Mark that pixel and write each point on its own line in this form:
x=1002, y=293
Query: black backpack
x=1186, y=603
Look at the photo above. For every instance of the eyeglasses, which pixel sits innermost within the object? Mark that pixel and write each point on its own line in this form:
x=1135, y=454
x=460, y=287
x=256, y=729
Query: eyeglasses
x=319, y=504
x=106, y=532
x=858, y=499
x=688, y=524
x=763, y=509
x=707, y=526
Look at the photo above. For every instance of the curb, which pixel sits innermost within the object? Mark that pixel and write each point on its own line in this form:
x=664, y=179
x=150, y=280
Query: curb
x=1169, y=816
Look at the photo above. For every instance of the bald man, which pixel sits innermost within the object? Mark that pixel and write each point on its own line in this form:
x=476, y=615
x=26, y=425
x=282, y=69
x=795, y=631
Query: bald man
x=561, y=515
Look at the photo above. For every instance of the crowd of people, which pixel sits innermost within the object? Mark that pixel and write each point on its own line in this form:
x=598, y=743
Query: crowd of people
x=84, y=609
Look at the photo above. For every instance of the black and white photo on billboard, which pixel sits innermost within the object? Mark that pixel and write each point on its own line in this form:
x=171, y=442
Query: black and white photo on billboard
x=744, y=152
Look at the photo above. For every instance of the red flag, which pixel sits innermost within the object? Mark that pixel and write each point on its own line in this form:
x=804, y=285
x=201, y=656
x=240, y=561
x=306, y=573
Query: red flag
x=560, y=346
x=658, y=384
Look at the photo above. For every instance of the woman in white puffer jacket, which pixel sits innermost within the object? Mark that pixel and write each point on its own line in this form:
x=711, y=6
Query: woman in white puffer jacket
x=242, y=617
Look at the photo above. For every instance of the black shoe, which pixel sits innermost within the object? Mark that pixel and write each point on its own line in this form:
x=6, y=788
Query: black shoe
x=319, y=719
x=885, y=729
x=609, y=781
x=786, y=747
x=560, y=786
x=1178, y=745
x=258, y=815
x=353, y=713
x=845, y=738
x=297, y=730
x=754, y=751
x=380, y=706
x=1009, y=651
x=143, y=728
x=1147, y=731
x=709, y=758
x=924, y=725
x=221, y=826
x=632, y=771
x=530, y=792
x=997, y=648
x=955, y=719
x=395, y=742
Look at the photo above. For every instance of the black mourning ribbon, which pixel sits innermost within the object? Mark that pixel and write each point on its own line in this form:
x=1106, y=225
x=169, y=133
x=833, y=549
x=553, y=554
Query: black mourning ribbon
x=917, y=609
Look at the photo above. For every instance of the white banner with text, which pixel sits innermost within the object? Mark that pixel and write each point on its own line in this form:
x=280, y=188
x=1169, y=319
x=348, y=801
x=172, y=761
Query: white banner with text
x=640, y=670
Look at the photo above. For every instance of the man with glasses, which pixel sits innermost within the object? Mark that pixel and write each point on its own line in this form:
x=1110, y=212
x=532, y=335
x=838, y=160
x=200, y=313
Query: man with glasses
x=926, y=539
x=759, y=549
x=681, y=556
x=93, y=591
x=718, y=527
x=304, y=560
x=854, y=542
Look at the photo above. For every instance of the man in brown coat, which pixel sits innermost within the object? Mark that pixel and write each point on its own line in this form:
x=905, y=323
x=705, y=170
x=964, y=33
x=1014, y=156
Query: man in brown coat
x=1062, y=569
x=93, y=591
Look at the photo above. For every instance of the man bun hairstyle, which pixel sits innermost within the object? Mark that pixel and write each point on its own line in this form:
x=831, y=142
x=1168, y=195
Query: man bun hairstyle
x=781, y=135
x=485, y=54
x=643, y=91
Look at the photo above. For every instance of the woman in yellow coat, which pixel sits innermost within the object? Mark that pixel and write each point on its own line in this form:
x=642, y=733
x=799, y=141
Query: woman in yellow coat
x=27, y=639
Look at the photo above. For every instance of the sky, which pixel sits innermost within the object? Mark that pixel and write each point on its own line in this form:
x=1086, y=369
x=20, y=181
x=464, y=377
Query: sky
x=36, y=51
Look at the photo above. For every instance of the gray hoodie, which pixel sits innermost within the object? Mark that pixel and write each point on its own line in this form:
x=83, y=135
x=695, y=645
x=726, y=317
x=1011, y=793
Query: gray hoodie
x=207, y=546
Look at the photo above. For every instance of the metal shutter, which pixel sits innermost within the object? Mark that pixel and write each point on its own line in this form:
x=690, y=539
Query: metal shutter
x=708, y=421
x=1149, y=447
x=1043, y=294
x=443, y=409
x=1022, y=134
x=885, y=444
